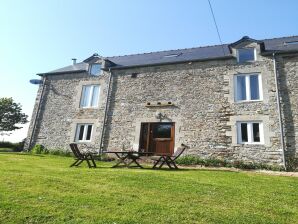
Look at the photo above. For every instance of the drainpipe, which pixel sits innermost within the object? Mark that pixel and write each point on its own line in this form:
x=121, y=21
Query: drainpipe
x=105, y=114
x=279, y=112
x=37, y=112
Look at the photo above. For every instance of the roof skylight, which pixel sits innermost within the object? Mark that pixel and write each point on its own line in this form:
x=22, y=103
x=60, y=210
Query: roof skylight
x=172, y=55
x=291, y=42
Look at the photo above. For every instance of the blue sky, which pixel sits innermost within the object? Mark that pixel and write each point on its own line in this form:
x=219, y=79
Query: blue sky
x=39, y=36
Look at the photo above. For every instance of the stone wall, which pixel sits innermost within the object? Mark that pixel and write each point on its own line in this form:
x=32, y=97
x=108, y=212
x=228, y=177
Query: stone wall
x=288, y=73
x=204, y=109
x=60, y=111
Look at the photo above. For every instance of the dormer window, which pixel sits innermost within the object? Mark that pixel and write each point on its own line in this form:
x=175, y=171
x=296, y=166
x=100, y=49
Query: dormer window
x=95, y=69
x=246, y=55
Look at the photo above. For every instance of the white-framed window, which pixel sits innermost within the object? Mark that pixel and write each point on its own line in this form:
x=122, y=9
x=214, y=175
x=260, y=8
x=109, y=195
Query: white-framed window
x=95, y=69
x=250, y=132
x=84, y=132
x=246, y=55
x=248, y=87
x=90, y=96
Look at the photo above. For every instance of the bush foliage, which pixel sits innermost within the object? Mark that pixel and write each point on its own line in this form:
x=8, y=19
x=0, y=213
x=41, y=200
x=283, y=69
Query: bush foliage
x=214, y=162
x=16, y=147
x=40, y=149
x=11, y=115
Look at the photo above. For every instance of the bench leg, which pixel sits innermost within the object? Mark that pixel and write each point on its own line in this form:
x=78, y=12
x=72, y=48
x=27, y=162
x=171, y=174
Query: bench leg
x=94, y=164
x=87, y=160
x=171, y=162
x=134, y=160
x=75, y=163
x=156, y=163
x=79, y=162
x=121, y=160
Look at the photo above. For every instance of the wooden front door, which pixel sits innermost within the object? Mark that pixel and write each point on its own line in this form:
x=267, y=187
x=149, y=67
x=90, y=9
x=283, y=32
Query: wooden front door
x=157, y=137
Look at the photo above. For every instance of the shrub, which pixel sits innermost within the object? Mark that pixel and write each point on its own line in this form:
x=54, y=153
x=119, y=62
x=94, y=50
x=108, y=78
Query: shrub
x=16, y=147
x=190, y=160
x=59, y=152
x=214, y=162
x=19, y=146
x=6, y=145
x=292, y=164
x=39, y=149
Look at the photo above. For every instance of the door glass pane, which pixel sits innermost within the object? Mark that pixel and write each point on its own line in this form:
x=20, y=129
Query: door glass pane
x=81, y=132
x=256, y=132
x=241, y=88
x=89, y=130
x=95, y=96
x=85, y=96
x=162, y=131
x=244, y=136
x=254, y=87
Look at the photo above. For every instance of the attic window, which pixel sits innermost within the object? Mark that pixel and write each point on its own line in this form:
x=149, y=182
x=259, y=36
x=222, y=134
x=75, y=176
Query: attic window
x=172, y=55
x=95, y=69
x=291, y=43
x=246, y=55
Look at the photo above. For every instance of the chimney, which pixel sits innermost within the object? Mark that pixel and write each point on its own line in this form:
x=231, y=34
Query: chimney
x=74, y=61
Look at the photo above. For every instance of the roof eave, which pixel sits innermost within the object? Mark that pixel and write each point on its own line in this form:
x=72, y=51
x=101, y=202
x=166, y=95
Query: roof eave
x=60, y=73
x=266, y=53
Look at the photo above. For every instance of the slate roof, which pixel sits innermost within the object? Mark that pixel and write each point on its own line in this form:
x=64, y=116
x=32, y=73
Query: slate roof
x=173, y=56
x=281, y=44
x=184, y=55
x=79, y=67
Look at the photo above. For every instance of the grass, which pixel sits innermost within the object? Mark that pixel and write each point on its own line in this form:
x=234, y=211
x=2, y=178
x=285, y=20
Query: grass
x=43, y=189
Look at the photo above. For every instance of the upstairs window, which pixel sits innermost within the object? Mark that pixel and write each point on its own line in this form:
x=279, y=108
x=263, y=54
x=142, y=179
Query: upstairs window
x=246, y=55
x=83, y=133
x=90, y=96
x=95, y=69
x=248, y=87
x=250, y=132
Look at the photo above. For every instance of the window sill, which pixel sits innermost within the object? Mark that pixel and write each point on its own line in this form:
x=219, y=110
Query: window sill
x=83, y=142
x=257, y=143
x=246, y=62
x=86, y=108
x=248, y=101
x=100, y=74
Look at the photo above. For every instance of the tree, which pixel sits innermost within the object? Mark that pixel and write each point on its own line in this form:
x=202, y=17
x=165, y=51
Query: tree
x=10, y=115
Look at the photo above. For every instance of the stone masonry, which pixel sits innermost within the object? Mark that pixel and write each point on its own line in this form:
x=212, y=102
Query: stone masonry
x=60, y=111
x=204, y=110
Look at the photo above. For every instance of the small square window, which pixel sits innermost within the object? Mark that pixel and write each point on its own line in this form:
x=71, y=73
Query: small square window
x=246, y=55
x=95, y=69
x=83, y=132
x=248, y=87
x=90, y=96
x=250, y=132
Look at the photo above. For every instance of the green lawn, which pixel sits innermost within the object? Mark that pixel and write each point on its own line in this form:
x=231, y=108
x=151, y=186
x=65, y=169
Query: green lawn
x=43, y=189
x=6, y=150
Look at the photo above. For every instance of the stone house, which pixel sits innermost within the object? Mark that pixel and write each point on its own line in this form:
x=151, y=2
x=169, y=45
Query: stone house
x=235, y=101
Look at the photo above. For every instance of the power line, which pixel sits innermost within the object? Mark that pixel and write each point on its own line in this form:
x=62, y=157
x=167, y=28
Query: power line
x=223, y=50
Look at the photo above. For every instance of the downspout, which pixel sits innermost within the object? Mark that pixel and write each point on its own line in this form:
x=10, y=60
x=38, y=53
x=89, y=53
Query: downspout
x=279, y=112
x=105, y=114
x=37, y=112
